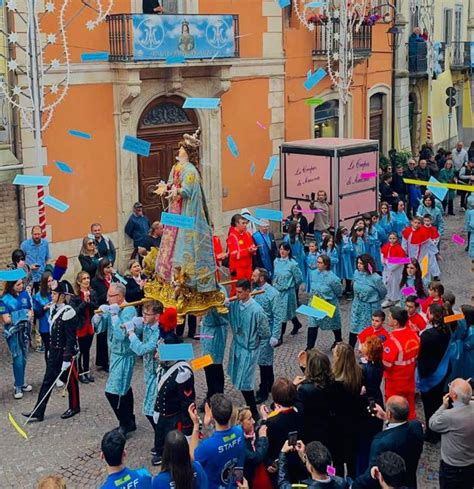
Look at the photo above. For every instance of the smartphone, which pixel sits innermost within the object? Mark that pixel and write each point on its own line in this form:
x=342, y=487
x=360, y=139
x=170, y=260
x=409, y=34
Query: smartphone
x=372, y=405
x=238, y=474
x=313, y=196
x=450, y=403
x=292, y=438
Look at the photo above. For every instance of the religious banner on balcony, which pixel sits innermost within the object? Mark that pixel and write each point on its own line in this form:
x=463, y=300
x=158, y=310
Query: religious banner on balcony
x=158, y=37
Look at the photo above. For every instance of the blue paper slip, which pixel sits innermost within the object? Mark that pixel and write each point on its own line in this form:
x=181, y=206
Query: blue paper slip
x=252, y=169
x=272, y=165
x=232, y=146
x=35, y=180
x=79, y=134
x=56, y=204
x=284, y=3
x=201, y=103
x=314, y=4
x=120, y=278
x=137, y=146
x=64, y=167
x=173, y=60
x=96, y=56
x=183, y=351
x=438, y=192
x=250, y=218
x=177, y=220
x=310, y=311
x=270, y=214
x=314, y=79
x=12, y=275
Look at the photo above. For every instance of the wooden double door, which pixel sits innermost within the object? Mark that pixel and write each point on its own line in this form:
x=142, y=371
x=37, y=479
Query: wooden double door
x=163, y=124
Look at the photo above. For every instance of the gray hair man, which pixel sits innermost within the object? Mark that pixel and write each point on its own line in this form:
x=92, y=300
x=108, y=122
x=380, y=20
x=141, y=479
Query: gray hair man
x=455, y=421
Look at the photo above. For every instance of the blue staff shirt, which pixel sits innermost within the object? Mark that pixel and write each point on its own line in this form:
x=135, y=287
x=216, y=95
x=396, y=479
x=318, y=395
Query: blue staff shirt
x=128, y=479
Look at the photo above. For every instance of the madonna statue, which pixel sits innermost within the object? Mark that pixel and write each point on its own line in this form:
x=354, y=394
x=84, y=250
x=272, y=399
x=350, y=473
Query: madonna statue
x=186, y=256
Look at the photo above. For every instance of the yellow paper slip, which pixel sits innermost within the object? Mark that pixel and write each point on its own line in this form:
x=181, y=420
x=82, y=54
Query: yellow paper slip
x=452, y=186
x=201, y=362
x=424, y=267
x=17, y=427
x=323, y=305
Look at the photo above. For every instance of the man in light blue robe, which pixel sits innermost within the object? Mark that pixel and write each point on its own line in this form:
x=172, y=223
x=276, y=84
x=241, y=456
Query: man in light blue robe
x=144, y=334
x=118, y=388
x=267, y=249
x=250, y=329
x=271, y=304
x=214, y=328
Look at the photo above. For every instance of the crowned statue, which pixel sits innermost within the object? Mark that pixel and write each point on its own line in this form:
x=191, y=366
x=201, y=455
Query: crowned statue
x=185, y=263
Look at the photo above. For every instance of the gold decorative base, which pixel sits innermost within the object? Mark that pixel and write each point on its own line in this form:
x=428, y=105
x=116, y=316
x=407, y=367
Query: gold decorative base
x=185, y=299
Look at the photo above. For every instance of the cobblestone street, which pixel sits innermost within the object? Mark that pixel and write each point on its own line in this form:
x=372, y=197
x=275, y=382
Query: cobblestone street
x=71, y=447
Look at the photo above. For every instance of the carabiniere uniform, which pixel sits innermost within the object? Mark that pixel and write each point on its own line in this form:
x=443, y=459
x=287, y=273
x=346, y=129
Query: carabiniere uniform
x=63, y=324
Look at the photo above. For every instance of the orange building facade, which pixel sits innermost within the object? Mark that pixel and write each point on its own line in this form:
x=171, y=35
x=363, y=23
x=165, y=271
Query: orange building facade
x=262, y=105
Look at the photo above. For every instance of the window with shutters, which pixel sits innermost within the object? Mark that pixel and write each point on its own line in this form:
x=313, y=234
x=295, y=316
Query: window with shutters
x=376, y=129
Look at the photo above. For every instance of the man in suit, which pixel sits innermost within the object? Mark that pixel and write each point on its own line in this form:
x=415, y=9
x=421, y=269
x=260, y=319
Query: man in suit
x=403, y=437
x=456, y=425
x=267, y=248
x=152, y=7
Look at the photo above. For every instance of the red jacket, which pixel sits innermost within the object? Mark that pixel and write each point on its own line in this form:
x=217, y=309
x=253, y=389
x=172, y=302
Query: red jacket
x=382, y=333
x=417, y=322
x=238, y=246
x=393, y=251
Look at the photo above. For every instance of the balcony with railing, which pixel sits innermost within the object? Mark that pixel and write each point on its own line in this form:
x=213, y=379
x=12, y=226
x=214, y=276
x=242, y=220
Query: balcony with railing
x=417, y=59
x=361, y=39
x=461, y=55
x=172, y=38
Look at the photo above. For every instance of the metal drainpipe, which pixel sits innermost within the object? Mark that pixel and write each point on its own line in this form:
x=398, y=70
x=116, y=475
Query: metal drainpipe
x=15, y=144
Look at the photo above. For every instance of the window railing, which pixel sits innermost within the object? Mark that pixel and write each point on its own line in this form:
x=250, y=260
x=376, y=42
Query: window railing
x=142, y=37
x=361, y=39
x=461, y=55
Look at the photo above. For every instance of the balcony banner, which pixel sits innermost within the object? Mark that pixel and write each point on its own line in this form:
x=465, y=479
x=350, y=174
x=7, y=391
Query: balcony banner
x=192, y=36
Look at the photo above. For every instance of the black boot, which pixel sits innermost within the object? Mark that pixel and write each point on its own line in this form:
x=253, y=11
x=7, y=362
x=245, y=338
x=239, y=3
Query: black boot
x=296, y=326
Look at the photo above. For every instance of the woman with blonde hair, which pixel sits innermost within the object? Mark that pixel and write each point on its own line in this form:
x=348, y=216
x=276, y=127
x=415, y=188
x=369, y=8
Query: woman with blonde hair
x=135, y=281
x=89, y=256
x=84, y=303
x=348, y=408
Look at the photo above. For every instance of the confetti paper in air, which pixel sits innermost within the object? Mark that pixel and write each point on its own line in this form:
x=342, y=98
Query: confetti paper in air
x=232, y=146
x=183, y=351
x=408, y=291
x=458, y=239
x=314, y=101
x=311, y=211
x=323, y=305
x=270, y=214
x=368, y=175
x=79, y=134
x=284, y=3
x=201, y=362
x=64, y=167
x=259, y=124
x=330, y=469
x=55, y=204
x=201, y=103
x=315, y=78
x=451, y=186
x=424, y=267
x=453, y=317
x=396, y=260
x=17, y=427
x=136, y=145
x=311, y=312
x=12, y=275
x=272, y=166
x=96, y=56
x=34, y=180
x=438, y=192
x=252, y=169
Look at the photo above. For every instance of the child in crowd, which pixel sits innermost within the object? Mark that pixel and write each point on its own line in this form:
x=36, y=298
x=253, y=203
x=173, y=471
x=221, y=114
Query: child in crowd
x=375, y=329
x=392, y=272
x=373, y=242
x=435, y=296
x=311, y=258
x=415, y=320
x=385, y=220
x=345, y=249
x=411, y=277
x=329, y=248
x=399, y=218
x=382, y=233
x=295, y=238
x=359, y=242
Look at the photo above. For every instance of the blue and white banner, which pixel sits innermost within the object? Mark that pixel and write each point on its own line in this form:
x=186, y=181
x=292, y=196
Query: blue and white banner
x=192, y=36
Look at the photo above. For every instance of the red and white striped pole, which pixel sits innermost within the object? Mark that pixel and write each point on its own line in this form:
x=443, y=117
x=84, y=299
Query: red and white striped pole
x=429, y=129
x=41, y=211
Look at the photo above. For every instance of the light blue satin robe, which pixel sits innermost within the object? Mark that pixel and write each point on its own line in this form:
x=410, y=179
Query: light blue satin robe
x=271, y=304
x=250, y=329
x=287, y=278
x=121, y=357
x=327, y=286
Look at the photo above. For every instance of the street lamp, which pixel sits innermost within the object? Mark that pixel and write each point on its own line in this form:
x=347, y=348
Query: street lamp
x=394, y=35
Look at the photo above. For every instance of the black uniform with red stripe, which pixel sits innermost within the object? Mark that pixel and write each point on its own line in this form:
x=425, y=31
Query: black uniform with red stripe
x=62, y=349
x=175, y=394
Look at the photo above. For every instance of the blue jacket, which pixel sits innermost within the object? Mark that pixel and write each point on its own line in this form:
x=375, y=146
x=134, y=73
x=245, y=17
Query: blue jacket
x=137, y=228
x=405, y=440
x=41, y=313
x=267, y=250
